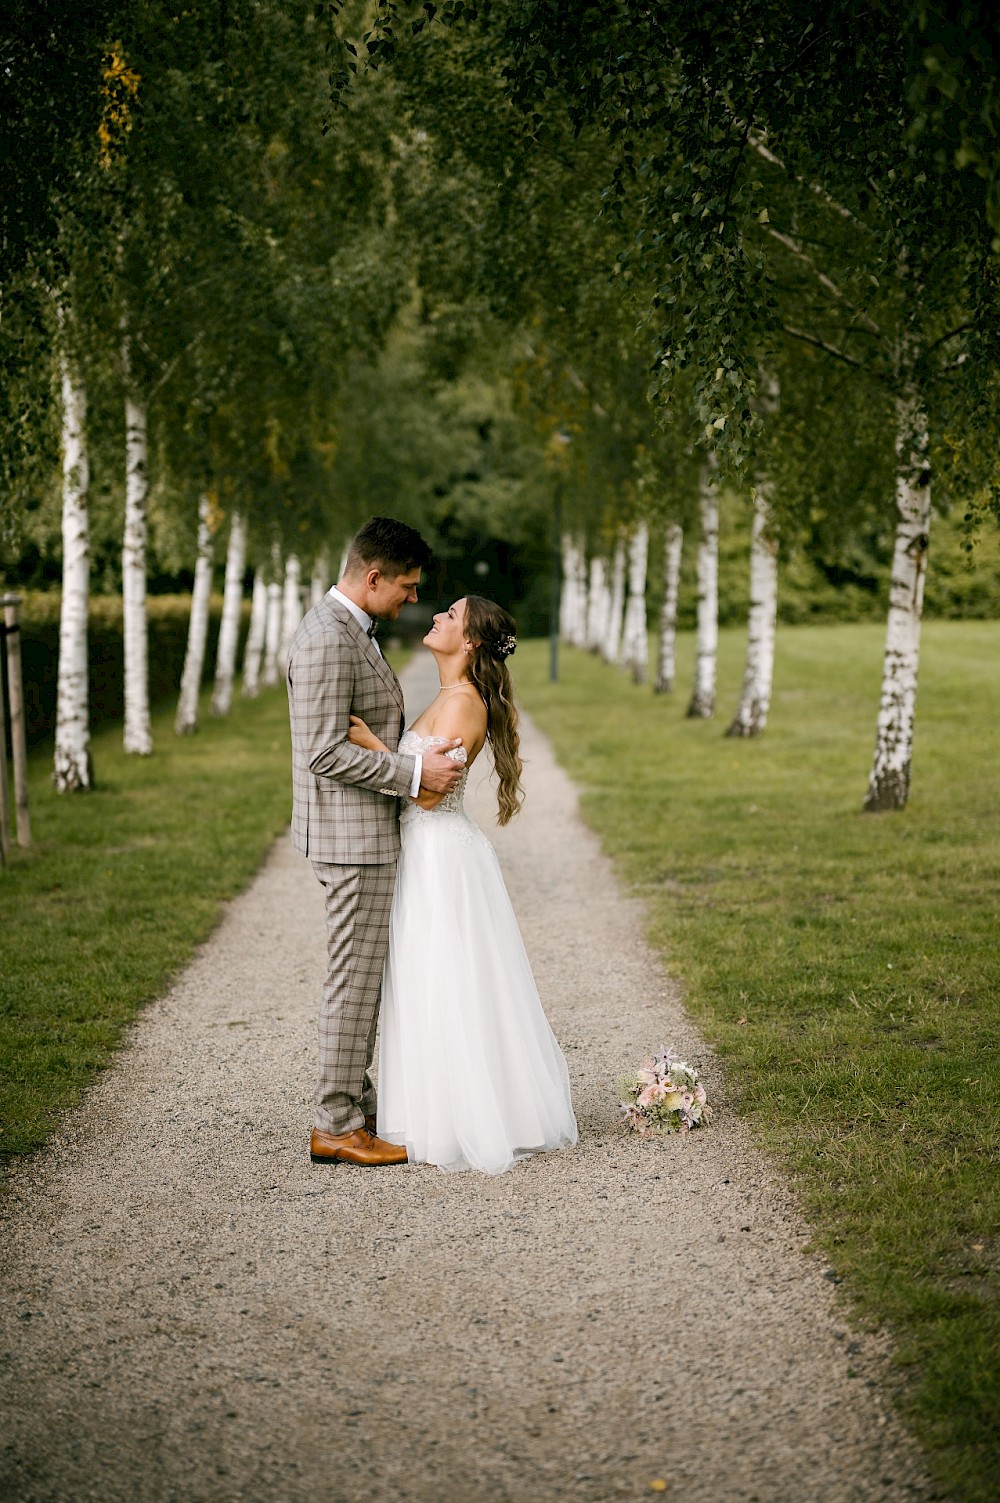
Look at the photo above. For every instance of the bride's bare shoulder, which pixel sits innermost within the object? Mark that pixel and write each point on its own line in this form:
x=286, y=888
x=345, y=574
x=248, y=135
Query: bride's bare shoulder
x=457, y=712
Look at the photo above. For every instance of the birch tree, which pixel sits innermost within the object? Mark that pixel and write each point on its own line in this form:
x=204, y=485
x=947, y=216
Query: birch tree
x=137, y=732
x=635, y=641
x=613, y=637
x=319, y=582
x=673, y=546
x=762, y=614
x=186, y=719
x=582, y=596
x=906, y=338
x=573, y=607
x=232, y=604
x=272, y=622
x=253, y=653
x=567, y=597
x=573, y=598
x=598, y=603
x=291, y=608
x=889, y=784
x=702, y=705
x=755, y=695
x=73, y=767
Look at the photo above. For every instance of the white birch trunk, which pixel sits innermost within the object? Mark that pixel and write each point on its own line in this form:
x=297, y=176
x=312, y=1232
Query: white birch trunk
x=272, y=627
x=567, y=603
x=755, y=696
x=580, y=613
x=137, y=735
x=673, y=547
x=597, y=604
x=253, y=653
x=635, y=647
x=186, y=719
x=889, y=785
x=344, y=557
x=702, y=704
x=573, y=601
x=72, y=766
x=229, y=627
x=612, y=640
x=291, y=609
x=320, y=580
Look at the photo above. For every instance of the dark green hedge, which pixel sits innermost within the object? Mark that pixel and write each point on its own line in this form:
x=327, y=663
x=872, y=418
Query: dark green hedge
x=168, y=627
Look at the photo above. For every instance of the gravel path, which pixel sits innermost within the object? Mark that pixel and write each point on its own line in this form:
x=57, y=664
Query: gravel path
x=192, y=1311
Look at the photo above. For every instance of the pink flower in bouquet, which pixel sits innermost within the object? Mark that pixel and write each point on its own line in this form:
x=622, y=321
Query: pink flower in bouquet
x=699, y=1095
x=652, y=1094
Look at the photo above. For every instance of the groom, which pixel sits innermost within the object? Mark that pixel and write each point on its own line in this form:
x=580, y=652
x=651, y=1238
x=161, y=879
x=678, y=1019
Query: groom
x=345, y=816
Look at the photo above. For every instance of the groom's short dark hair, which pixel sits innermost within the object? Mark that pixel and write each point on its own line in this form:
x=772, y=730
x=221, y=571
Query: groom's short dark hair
x=390, y=545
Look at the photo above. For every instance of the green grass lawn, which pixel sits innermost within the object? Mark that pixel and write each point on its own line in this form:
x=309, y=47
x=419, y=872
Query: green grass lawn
x=846, y=966
x=120, y=886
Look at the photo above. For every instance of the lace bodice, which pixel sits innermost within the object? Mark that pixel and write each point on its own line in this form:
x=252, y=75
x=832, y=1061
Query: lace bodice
x=452, y=803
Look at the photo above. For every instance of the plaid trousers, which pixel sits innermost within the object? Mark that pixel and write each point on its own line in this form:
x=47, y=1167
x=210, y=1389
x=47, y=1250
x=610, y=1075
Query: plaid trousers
x=358, y=906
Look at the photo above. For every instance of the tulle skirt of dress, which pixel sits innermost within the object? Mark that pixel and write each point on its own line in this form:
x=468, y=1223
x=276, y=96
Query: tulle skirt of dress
x=470, y=1073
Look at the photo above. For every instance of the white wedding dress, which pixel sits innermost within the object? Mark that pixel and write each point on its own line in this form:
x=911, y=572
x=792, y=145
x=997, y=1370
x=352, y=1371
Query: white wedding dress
x=470, y=1073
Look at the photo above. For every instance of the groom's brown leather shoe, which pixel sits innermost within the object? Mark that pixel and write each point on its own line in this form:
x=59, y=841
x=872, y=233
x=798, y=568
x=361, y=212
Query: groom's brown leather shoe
x=358, y=1147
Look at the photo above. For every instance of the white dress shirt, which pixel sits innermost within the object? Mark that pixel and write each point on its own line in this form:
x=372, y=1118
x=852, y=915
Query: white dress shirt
x=364, y=621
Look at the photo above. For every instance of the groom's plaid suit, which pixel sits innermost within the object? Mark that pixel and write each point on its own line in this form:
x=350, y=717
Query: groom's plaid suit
x=344, y=822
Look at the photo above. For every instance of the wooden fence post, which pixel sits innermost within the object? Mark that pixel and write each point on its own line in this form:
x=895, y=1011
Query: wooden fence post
x=18, y=727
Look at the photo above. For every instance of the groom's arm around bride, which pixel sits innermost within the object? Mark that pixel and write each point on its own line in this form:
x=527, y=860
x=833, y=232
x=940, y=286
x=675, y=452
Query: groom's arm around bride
x=336, y=670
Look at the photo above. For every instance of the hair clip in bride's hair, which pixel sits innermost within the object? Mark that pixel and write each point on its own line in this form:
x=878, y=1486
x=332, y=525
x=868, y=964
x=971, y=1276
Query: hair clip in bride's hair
x=506, y=645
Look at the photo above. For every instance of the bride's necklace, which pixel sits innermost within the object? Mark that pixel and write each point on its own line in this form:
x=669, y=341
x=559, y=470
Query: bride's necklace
x=456, y=685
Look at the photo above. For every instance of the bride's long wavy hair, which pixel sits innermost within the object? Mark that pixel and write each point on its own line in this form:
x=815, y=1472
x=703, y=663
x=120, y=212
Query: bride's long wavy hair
x=492, y=630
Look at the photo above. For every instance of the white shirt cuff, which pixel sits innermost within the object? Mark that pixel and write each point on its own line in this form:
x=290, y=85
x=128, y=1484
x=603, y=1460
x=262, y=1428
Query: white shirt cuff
x=418, y=773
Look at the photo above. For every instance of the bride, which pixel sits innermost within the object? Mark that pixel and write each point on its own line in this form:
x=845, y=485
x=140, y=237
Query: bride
x=470, y=1074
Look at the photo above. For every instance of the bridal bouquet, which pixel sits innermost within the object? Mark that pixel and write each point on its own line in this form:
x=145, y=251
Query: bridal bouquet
x=664, y=1095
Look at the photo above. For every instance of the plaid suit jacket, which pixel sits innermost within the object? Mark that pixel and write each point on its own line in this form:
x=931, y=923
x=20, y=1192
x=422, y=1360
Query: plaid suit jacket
x=340, y=811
